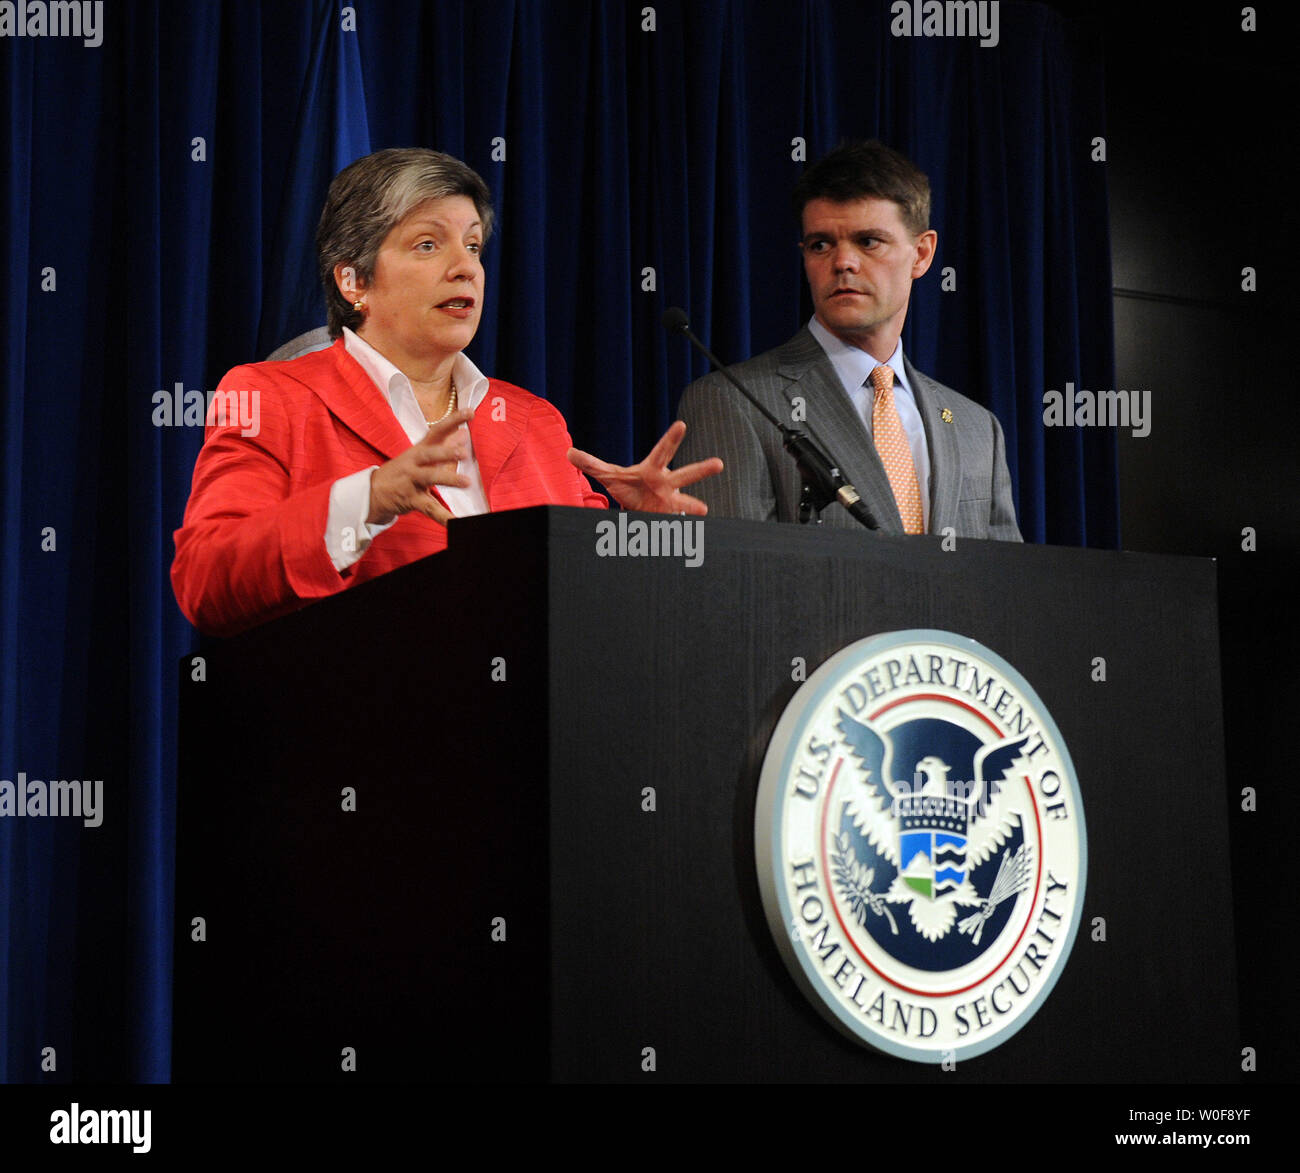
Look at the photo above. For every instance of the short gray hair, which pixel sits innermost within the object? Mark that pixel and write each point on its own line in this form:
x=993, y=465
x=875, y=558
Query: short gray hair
x=368, y=198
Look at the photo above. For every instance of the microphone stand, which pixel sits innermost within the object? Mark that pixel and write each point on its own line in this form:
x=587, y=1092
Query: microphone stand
x=820, y=476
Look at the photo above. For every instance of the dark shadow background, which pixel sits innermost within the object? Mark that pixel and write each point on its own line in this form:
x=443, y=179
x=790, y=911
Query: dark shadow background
x=1200, y=188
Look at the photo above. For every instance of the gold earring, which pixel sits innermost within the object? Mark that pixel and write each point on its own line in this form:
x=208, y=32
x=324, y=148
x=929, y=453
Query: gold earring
x=359, y=306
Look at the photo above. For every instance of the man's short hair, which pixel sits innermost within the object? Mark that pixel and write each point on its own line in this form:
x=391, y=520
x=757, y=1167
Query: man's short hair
x=864, y=170
x=371, y=196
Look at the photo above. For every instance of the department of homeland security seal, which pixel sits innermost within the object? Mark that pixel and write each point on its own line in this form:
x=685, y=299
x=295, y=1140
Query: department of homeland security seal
x=920, y=844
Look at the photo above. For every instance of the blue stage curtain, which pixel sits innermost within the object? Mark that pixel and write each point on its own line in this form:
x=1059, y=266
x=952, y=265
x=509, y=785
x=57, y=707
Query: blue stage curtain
x=158, y=208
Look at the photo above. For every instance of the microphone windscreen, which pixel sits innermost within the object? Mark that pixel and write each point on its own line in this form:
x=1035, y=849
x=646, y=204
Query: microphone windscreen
x=675, y=319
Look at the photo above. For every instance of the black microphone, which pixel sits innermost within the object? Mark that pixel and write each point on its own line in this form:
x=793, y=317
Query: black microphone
x=675, y=320
x=822, y=480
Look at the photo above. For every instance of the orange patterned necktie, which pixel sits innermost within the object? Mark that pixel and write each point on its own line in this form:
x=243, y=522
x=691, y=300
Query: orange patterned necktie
x=895, y=454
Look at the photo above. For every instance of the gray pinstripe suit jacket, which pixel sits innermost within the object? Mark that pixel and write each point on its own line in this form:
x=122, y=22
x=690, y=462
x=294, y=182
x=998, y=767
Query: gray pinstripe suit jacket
x=970, y=488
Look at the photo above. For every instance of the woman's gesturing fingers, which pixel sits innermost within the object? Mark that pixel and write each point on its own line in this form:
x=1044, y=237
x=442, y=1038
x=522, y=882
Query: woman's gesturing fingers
x=403, y=484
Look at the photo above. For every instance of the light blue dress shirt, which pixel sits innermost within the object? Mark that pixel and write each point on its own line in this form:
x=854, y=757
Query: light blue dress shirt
x=854, y=366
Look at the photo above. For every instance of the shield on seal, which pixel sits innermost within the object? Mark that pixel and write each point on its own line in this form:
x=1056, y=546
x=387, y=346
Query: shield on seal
x=934, y=862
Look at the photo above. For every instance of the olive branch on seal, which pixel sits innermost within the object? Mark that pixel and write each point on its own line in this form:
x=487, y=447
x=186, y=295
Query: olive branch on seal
x=853, y=879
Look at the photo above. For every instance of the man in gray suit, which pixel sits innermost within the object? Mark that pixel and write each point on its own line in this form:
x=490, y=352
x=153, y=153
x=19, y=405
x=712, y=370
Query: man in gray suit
x=923, y=457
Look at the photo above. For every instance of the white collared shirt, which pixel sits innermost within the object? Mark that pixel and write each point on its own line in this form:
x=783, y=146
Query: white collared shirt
x=350, y=495
x=854, y=366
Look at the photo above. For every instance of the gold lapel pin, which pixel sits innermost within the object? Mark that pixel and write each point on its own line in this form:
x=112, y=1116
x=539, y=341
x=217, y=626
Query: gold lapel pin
x=946, y=416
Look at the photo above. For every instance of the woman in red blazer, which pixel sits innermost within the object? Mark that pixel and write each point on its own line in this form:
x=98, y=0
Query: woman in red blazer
x=328, y=470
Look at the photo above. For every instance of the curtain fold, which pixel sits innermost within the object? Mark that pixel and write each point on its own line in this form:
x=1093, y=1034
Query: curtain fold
x=158, y=207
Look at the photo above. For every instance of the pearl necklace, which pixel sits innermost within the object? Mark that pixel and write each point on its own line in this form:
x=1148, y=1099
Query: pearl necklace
x=451, y=406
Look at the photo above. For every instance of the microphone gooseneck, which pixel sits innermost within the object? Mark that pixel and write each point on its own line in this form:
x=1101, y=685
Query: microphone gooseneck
x=822, y=480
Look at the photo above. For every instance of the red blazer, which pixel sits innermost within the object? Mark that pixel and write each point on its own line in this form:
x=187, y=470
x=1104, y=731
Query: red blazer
x=252, y=545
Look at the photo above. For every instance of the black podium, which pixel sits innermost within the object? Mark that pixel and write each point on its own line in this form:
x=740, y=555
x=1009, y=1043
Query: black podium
x=378, y=788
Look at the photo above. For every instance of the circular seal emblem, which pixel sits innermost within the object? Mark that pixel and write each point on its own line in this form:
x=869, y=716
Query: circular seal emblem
x=921, y=846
